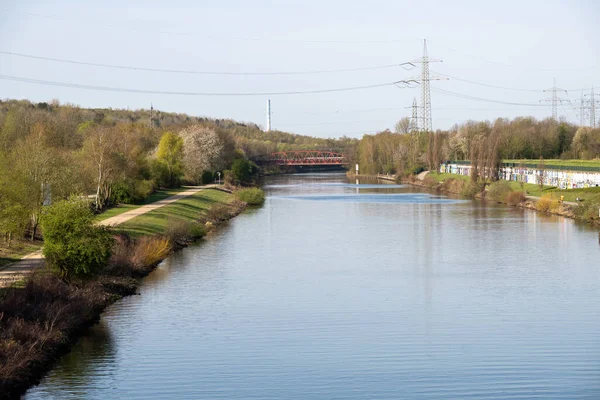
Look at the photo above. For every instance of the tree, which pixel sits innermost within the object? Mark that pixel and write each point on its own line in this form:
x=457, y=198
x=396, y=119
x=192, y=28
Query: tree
x=203, y=150
x=541, y=173
x=73, y=245
x=170, y=154
x=241, y=170
x=99, y=154
x=404, y=126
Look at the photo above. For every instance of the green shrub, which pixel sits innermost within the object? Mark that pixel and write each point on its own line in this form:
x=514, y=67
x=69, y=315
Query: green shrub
x=499, y=191
x=131, y=191
x=515, y=198
x=251, y=196
x=73, y=245
x=207, y=177
x=470, y=189
x=587, y=210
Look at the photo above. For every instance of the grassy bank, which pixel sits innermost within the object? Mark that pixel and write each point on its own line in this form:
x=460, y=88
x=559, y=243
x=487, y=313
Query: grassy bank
x=44, y=316
x=153, y=198
x=589, y=194
x=191, y=208
x=512, y=193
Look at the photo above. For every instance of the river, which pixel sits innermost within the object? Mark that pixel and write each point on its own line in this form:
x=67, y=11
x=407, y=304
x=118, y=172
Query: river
x=334, y=290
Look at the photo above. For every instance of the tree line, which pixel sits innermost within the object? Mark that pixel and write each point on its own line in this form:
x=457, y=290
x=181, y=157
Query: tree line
x=485, y=144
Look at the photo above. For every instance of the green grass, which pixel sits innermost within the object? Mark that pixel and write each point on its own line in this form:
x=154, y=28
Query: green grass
x=535, y=190
x=154, y=197
x=561, y=163
x=18, y=249
x=442, y=177
x=188, y=209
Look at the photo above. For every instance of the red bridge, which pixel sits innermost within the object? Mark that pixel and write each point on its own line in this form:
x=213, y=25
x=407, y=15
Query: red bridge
x=302, y=158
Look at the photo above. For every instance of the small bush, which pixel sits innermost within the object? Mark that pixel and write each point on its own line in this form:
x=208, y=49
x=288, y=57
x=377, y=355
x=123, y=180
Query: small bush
x=430, y=182
x=181, y=230
x=149, y=250
x=515, y=198
x=73, y=245
x=218, y=213
x=251, y=196
x=470, y=189
x=547, y=203
x=499, y=191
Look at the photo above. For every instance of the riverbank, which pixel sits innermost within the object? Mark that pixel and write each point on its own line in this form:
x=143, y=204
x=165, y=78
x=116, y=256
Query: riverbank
x=549, y=203
x=41, y=318
x=459, y=185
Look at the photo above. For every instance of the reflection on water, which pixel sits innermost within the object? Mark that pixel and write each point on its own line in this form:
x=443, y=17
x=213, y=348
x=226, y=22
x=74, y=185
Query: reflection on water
x=333, y=290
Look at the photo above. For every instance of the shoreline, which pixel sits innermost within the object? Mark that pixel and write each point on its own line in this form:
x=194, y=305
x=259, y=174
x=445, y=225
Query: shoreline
x=105, y=289
x=564, y=210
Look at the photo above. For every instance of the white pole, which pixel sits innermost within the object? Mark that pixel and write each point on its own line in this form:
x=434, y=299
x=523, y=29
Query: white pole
x=268, y=115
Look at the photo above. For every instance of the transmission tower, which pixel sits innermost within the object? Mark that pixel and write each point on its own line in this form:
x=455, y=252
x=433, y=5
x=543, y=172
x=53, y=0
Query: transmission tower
x=592, y=107
x=582, y=111
x=554, y=100
x=426, y=124
x=415, y=116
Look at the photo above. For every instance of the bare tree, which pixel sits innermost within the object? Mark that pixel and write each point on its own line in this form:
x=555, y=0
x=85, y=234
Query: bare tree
x=98, y=152
x=541, y=173
x=403, y=126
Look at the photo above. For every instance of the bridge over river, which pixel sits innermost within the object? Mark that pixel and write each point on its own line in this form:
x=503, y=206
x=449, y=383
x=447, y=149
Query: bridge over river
x=321, y=159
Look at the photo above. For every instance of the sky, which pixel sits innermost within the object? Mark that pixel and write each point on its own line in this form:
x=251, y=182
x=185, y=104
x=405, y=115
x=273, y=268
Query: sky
x=499, y=57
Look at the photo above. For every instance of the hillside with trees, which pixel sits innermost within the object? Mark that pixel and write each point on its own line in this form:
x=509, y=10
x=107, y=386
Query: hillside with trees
x=50, y=151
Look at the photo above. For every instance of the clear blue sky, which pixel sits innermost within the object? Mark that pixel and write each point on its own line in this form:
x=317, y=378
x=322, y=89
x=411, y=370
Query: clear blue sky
x=516, y=44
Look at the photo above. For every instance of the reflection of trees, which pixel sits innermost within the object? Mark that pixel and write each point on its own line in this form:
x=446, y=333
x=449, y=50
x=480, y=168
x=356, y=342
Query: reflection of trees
x=76, y=369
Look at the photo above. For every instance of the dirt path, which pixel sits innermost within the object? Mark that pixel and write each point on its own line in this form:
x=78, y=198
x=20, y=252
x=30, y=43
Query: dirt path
x=422, y=175
x=17, y=270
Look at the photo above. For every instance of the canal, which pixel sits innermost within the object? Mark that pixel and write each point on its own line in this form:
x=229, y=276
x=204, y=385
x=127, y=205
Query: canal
x=334, y=290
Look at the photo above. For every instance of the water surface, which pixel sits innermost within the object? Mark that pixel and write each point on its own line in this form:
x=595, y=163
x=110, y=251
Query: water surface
x=334, y=290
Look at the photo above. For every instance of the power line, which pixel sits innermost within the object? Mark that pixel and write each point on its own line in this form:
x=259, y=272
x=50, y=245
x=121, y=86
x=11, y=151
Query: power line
x=474, y=98
x=488, y=85
x=145, y=91
x=194, y=72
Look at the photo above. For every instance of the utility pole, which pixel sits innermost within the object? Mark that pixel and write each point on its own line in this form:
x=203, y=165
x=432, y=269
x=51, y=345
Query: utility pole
x=554, y=100
x=268, y=115
x=151, y=116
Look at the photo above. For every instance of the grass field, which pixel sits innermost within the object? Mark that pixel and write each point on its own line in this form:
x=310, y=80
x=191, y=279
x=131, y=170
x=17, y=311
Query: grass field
x=535, y=190
x=560, y=163
x=154, y=197
x=189, y=208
